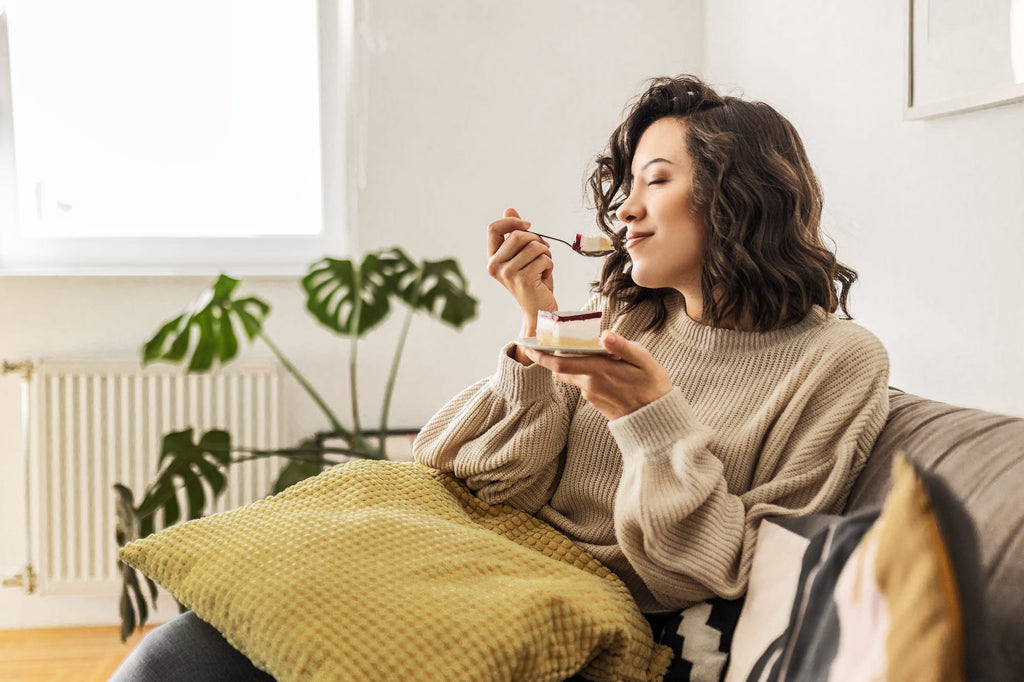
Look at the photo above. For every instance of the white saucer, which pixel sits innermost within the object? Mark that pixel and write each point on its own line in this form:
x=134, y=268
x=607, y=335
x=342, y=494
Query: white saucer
x=531, y=342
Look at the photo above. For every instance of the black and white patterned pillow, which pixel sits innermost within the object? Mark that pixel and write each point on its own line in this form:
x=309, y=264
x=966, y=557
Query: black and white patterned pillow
x=700, y=638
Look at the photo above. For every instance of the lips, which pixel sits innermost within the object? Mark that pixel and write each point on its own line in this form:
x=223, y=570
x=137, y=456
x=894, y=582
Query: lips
x=634, y=238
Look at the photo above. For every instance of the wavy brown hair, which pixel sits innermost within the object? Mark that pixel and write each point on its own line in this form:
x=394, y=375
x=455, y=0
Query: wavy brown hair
x=765, y=263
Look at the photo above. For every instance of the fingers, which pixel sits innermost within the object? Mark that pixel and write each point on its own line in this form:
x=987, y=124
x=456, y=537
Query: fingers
x=591, y=374
x=615, y=387
x=623, y=349
x=521, y=253
x=533, y=262
x=496, y=231
x=521, y=262
x=521, y=246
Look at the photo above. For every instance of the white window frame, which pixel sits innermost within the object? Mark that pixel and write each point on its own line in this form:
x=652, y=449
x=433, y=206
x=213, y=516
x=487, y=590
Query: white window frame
x=257, y=255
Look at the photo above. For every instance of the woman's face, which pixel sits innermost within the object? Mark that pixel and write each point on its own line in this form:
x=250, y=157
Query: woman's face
x=665, y=236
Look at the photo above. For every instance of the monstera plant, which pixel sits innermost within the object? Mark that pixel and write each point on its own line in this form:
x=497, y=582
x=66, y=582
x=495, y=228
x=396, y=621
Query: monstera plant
x=347, y=297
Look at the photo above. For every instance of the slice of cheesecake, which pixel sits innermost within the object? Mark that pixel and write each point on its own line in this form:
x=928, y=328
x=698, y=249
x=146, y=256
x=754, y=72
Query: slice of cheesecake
x=569, y=328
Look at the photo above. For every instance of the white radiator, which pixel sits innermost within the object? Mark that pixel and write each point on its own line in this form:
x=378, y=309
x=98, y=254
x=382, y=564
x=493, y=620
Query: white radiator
x=93, y=424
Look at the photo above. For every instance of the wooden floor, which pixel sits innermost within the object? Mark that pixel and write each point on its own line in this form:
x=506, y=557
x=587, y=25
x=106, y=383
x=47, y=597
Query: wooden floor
x=88, y=654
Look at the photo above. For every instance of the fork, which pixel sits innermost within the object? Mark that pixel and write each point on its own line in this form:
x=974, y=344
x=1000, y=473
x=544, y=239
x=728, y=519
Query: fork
x=575, y=246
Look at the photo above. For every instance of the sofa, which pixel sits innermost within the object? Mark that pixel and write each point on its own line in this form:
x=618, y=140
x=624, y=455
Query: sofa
x=921, y=577
x=966, y=474
x=980, y=456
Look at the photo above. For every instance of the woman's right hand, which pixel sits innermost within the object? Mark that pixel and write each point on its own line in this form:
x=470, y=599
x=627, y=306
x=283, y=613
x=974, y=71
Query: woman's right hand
x=521, y=261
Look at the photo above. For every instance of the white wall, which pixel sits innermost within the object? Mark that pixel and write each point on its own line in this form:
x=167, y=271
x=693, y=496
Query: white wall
x=929, y=212
x=489, y=105
x=470, y=106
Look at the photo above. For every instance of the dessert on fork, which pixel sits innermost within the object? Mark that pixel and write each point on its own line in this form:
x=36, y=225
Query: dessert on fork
x=595, y=244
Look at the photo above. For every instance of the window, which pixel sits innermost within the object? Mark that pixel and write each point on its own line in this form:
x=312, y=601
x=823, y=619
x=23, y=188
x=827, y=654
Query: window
x=182, y=136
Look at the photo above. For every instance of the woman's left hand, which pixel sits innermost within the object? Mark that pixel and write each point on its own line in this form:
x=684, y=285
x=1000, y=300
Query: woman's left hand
x=616, y=384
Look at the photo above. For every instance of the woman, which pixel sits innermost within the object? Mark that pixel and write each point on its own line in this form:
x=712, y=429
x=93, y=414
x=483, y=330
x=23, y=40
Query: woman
x=731, y=391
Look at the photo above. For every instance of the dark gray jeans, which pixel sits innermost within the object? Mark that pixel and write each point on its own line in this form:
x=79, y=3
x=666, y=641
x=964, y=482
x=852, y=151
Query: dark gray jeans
x=187, y=648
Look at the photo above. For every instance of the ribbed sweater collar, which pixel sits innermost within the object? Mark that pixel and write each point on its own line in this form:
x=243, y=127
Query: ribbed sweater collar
x=731, y=342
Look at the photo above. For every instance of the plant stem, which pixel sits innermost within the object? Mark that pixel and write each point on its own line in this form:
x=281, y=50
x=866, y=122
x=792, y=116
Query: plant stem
x=390, y=386
x=357, y=311
x=335, y=424
x=290, y=453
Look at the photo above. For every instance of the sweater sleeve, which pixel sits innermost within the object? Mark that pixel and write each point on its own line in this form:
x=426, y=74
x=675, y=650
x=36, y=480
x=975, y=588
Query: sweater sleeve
x=504, y=436
x=687, y=535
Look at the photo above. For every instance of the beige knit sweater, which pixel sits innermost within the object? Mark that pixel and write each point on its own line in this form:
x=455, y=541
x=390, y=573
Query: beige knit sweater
x=670, y=496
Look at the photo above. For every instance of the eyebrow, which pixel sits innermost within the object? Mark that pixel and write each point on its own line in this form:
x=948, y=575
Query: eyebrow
x=654, y=161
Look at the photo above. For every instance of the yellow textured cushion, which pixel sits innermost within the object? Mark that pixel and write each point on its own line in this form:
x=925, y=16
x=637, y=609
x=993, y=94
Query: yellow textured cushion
x=917, y=580
x=392, y=571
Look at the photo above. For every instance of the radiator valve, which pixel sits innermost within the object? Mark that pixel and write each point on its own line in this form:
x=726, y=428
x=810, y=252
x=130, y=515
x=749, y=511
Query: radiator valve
x=24, y=368
x=26, y=579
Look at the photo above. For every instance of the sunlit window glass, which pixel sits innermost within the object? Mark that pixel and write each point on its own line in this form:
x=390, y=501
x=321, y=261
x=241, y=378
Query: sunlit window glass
x=191, y=118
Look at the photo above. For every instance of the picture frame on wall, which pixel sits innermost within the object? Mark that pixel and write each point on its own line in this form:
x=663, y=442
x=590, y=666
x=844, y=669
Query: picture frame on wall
x=963, y=55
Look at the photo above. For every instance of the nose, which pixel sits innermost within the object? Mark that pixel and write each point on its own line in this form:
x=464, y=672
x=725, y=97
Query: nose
x=630, y=210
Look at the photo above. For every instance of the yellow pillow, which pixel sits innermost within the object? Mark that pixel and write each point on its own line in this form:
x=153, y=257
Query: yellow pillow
x=915, y=573
x=388, y=570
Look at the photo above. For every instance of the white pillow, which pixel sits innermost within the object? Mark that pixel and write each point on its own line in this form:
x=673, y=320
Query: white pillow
x=774, y=578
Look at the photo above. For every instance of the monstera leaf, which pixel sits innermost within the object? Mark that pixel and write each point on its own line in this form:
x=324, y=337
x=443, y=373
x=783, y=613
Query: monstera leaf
x=440, y=290
x=206, y=328
x=187, y=463
x=133, y=607
x=353, y=300
x=299, y=468
x=349, y=299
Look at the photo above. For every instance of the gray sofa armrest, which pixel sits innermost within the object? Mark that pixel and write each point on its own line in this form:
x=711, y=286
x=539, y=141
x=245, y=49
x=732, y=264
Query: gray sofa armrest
x=980, y=456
